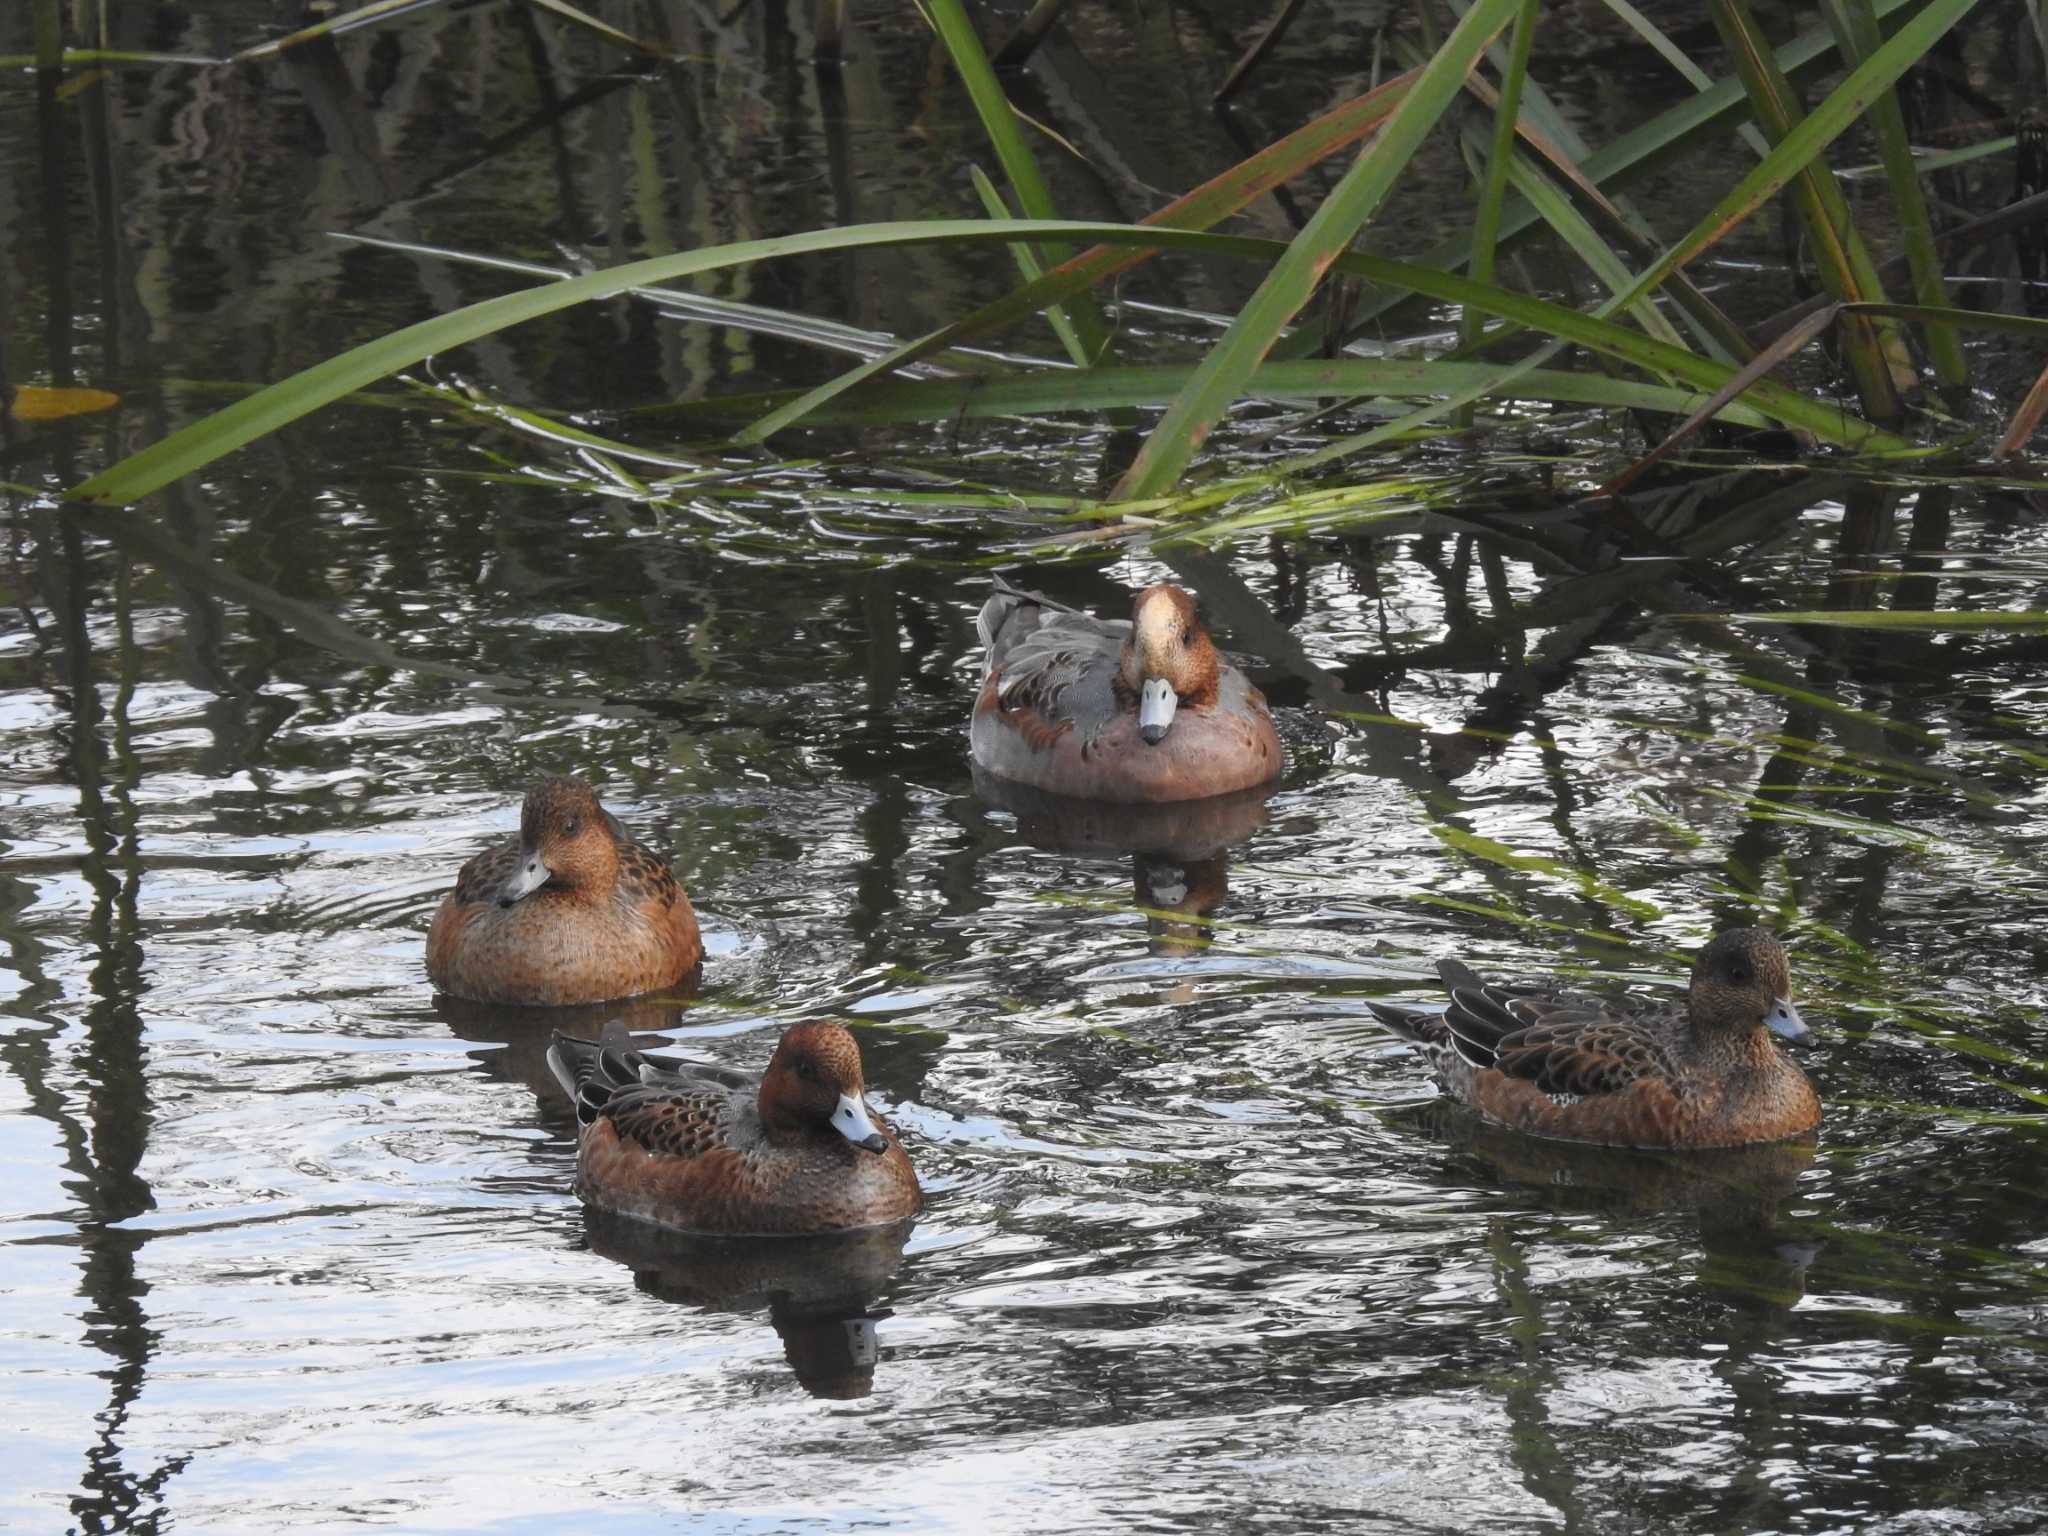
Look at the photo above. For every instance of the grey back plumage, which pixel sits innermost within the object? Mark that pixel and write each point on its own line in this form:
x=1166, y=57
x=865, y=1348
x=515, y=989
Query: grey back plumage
x=1056, y=660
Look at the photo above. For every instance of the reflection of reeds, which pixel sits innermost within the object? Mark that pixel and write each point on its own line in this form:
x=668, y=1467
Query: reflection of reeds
x=1534, y=174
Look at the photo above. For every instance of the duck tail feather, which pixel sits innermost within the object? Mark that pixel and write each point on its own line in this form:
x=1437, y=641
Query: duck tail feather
x=1456, y=973
x=994, y=616
x=573, y=1061
x=1408, y=1023
x=558, y=1062
x=1477, y=1021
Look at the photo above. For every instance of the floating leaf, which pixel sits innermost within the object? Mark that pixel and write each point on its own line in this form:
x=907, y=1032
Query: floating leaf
x=35, y=402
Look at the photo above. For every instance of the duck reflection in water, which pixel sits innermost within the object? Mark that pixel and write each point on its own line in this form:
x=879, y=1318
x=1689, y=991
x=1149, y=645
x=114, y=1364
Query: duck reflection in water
x=1751, y=1255
x=819, y=1291
x=1179, y=851
x=516, y=1040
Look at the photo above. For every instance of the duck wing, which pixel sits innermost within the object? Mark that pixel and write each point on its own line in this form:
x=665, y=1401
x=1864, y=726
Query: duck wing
x=668, y=1105
x=1049, y=658
x=644, y=875
x=485, y=875
x=1567, y=1046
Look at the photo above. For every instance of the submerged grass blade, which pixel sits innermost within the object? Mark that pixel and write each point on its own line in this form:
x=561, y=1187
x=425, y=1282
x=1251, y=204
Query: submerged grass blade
x=1190, y=419
x=1590, y=885
x=1925, y=621
x=1345, y=378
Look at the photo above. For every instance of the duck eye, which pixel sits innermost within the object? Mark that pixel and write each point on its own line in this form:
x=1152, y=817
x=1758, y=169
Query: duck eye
x=570, y=826
x=807, y=1071
x=1187, y=635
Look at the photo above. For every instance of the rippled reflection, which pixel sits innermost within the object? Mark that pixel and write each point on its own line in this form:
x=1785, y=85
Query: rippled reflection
x=819, y=1292
x=1179, y=852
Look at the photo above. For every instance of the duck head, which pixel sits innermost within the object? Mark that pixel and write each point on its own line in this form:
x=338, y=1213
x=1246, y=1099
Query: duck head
x=814, y=1081
x=1169, y=659
x=1742, y=980
x=565, y=842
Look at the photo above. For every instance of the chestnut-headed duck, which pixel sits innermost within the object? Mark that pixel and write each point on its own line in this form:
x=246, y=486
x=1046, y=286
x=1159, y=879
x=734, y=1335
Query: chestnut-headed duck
x=1704, y=1074
x=572, y=910
x=704, y=1148
x=1100, y=709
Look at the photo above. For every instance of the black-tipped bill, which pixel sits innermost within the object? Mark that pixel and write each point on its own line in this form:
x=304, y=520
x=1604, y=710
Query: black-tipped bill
x=529, y=877
x=851, y=1120
x=1156, y=704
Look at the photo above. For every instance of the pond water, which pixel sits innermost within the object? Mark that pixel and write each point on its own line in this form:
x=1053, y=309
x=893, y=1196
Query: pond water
x=287, y=1240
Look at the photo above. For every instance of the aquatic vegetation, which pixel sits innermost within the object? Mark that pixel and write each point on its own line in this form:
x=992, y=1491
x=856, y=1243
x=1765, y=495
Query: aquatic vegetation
x=1532, y=172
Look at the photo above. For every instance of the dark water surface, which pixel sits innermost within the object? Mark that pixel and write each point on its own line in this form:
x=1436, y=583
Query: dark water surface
x=285, y=1241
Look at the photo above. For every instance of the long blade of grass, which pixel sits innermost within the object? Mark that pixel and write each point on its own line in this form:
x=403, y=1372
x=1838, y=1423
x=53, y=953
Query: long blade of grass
x=203, y=441
x=1027, y=264
x=1486, y=217
x=2026, y=327
x=2024, y=420
x=1846, y=269
x=1110, y=388
x=1764, y=362
x=79, y=58
x=759, y=319
x=1858, y=35
x=1295, y=276
x=1209, y=204
x=999, y=121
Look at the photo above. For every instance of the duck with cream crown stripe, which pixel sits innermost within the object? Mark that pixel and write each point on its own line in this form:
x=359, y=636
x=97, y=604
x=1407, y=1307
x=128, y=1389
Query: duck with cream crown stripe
x=1144, y=709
